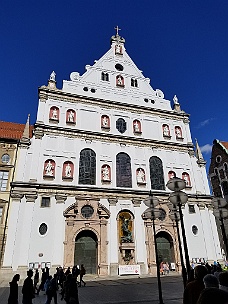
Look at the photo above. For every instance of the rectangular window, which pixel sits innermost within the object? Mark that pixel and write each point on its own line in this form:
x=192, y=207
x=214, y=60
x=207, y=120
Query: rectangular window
x=191, y=209
x=45, y=202
x=3, y=180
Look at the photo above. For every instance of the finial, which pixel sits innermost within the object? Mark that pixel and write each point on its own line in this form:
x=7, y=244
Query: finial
x=200, y=160
x=25, y=139
x=52, y=76
x=117, y=30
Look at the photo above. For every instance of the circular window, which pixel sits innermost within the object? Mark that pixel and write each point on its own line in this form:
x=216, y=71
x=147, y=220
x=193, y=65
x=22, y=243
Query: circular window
x=194, y=230
x=5, y=158
x=119, y=67
x=87, y=211
x=43, y=229
x=162, y=214
x=85, y=89
x=218, y=159
x=93, y=90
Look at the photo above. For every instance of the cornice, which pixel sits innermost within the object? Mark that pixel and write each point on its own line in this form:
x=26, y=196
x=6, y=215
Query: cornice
x=46, y=93
x=111, y=138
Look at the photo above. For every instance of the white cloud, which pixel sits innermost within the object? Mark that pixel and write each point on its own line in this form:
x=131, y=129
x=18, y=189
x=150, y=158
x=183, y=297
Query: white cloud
x=206, y=149
x=205, y=122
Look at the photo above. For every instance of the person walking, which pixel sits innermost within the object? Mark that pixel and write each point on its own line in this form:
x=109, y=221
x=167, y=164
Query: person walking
x=27, y=289
x=36, y=280
x=13, y=296
x=82, y=273
x=43, y=280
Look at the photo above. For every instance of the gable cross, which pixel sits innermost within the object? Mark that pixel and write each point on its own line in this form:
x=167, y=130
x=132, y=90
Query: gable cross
x=117, y=30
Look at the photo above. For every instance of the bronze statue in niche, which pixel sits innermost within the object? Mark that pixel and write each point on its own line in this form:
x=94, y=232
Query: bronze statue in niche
x=125, y=225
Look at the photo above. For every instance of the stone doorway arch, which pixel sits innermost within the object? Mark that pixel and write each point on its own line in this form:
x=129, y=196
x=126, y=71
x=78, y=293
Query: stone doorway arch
x=85, y=252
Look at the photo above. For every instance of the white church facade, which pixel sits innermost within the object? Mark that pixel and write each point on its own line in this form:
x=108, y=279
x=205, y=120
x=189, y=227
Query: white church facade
x=100, y=144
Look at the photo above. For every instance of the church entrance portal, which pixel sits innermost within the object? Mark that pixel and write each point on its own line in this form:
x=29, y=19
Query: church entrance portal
x=165, y=247
x=86, y=251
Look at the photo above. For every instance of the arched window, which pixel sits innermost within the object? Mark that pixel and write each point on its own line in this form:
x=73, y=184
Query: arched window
x=105, y=122
x=119, y=81
x=140, y=176
x=87, y=167
x=105, y=173
x=70, y=116
x=156, y=173
x=178, y=132
x=68, y=170
x=171, y=174
x=123, y=170
x=137, y=126
x=49, y=168
x=166, y=130
x=54, y=113
x=104, y=76
x=186, y=178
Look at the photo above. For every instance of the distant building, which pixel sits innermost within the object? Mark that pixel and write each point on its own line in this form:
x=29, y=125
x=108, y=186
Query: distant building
x=10, y=137
x=100, y=144
x=218, y=173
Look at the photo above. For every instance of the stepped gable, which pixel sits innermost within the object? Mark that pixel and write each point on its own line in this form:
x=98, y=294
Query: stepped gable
x=115, y=77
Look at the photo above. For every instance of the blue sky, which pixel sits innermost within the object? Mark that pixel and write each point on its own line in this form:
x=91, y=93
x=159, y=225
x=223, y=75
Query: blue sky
x=182, y=46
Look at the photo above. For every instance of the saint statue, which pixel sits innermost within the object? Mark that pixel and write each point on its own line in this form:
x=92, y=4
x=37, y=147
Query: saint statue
x=52, y=76
x=54, y=114
x=178, y=133
x=119, y=80
x=175, y=100
x=104, y=121
x=127, y=235
x=105, y=173
x=166, y=130
x=68, y=170
x=49, y=169
x=70, y=117
x=140, y=176
x=136, y=126
x=186, y=179
x=118, y=49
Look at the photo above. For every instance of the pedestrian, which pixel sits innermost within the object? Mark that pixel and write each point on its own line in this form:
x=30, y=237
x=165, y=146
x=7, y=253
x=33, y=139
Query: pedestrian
x=43, y=280
x=36, y=280
x=13, y=296
x=27, y=289
x=223, y=281
x=82, y=273
x=194, y=288
x=48, y=290
x=213, y=295
x=210, y=280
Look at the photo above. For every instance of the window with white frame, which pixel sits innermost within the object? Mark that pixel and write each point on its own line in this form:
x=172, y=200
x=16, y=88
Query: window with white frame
x=3, y=180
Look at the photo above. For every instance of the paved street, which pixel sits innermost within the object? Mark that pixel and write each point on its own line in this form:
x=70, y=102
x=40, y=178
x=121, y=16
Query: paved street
x=117, y=291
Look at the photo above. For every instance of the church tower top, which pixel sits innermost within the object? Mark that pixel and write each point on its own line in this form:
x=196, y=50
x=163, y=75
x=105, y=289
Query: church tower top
x=117, y=38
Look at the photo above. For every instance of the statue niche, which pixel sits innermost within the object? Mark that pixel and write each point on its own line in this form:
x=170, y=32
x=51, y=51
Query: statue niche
x=127, y=246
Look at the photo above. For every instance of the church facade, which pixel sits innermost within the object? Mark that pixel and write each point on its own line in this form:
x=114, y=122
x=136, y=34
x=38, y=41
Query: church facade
x=100, y=144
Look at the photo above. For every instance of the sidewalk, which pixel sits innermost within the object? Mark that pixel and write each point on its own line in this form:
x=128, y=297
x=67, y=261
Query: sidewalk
x=118, y=290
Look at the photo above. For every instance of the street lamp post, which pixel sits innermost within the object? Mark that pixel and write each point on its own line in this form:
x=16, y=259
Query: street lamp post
x=153, y=213
x=175, y=217
x=177, y=198
x=221, y=213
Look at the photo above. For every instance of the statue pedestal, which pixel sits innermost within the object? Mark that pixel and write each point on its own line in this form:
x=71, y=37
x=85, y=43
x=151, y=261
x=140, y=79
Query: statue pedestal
x=128, y=252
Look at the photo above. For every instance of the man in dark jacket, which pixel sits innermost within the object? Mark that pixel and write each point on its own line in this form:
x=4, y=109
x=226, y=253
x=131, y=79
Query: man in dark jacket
x=27, y=289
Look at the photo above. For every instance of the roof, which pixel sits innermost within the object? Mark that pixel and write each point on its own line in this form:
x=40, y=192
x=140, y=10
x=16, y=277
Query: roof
x=225, y=144
x=11, y=130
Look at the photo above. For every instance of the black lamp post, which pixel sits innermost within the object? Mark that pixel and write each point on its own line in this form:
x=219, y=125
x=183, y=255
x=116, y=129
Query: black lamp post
x=174, y=215
x=153, y=213
x=179, y=198
x=221, y=213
